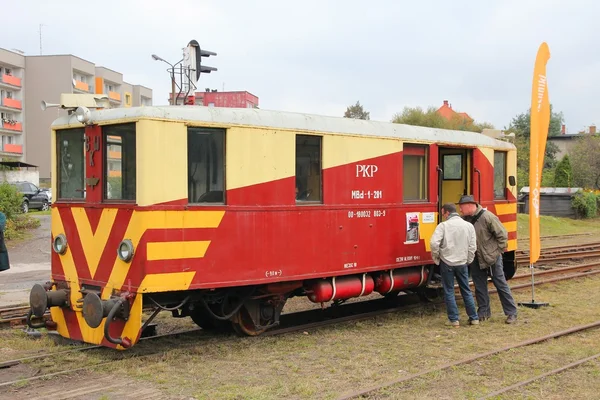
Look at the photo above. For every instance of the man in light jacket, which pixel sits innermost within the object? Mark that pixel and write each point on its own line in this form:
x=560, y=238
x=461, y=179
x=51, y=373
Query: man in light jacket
x=453, y=246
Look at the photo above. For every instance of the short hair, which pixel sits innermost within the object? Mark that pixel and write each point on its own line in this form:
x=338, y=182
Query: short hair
x=449, y=207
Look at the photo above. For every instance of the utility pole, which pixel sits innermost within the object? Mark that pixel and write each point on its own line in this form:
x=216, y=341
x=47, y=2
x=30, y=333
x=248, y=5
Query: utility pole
x=41, y=38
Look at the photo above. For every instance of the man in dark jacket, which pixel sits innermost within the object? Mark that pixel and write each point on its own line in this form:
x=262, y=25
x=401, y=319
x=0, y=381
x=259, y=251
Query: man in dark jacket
x=492, y=240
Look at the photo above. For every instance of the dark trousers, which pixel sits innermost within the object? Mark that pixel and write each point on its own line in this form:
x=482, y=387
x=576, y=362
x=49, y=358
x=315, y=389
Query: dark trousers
x=482, y=295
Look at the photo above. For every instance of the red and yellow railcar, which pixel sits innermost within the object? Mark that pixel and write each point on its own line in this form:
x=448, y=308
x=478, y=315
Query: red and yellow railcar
x=224, y=214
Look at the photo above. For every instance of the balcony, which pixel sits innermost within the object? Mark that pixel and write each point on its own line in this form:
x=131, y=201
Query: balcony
x=114, y=96
x=12, y=103
x=12, y=126
x=13, y=148
x=84, y=87
x=11, y=80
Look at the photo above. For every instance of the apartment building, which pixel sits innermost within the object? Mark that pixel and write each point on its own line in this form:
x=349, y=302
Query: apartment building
x=31, y=79
x=12, y=121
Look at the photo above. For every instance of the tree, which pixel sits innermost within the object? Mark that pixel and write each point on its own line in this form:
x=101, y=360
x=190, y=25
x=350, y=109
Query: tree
x=585, y=162
x=521, y=126
x=563, y=174
x=432, y=119
x=356, y=111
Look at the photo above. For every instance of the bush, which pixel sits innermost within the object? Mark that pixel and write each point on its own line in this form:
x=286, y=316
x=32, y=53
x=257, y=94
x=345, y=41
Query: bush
x=585, y=204
x=563, y=175
x=16, y=226
x=10, y=200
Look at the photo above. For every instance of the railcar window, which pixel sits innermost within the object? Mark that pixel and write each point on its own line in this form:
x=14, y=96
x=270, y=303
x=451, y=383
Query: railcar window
x=119, y=162
x=452, y=167
x=206, y=165
x=308, y=168
x=500, y=175
x=415, y=173
x=70, y=164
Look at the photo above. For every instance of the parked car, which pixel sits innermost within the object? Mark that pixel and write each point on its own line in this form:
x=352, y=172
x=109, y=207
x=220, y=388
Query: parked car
x=33, y=197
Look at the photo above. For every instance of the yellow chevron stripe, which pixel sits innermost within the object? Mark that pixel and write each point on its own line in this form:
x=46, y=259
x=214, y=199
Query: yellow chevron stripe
x=512, y=244
x=504, y=209
x=133, y=325
x=510, y=226
x=58, y=316
x=66, y=259
x=94, y=244
x=177, y=250
x=167, y=282
x=144, y=220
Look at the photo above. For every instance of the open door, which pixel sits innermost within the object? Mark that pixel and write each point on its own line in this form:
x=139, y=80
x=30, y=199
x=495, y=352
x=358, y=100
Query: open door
x=455, y=174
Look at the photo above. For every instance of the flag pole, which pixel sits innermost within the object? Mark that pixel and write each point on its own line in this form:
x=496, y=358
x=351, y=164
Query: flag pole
x=540, y=122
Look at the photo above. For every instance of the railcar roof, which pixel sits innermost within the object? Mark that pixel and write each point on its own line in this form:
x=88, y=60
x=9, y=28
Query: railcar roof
x=289, y=120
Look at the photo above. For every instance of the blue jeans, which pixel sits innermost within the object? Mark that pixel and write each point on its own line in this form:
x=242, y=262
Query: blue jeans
x=480, y=279
x=461, y=272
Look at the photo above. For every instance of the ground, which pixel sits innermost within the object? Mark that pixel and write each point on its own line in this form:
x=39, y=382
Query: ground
x=325, y=362
x=30, y=264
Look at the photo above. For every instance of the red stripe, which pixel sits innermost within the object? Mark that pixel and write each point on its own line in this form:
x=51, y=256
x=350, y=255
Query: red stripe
x=507, y=217
x=72, y=324
x=512, y=235
x=93, y=215
x=74, y=243
x=109, y=254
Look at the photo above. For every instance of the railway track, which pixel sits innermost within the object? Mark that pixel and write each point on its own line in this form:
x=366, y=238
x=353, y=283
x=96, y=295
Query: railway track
x=555, y=335
x=15, y=316
x=559, y=253
x=312, y=319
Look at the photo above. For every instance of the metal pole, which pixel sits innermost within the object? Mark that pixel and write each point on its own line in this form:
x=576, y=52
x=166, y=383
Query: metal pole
x=173, y=102
x=532, y=286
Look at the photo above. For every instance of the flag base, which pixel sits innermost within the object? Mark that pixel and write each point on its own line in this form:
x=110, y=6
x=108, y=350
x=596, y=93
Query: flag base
x=533, y=304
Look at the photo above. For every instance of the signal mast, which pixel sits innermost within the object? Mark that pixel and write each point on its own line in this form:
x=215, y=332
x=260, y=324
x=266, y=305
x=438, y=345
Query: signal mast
x=189, y=70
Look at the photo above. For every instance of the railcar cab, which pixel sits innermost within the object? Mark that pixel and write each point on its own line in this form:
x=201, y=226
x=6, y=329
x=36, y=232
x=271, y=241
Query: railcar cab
x=487, y=174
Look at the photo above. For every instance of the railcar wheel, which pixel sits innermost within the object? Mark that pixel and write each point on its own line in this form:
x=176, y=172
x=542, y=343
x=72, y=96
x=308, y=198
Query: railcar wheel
x=201, y=318
x=429, y=295
x=257, y=315
x=244, y=326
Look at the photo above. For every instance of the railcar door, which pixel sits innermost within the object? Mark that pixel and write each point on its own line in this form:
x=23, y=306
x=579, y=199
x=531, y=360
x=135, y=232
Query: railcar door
x=455, y=175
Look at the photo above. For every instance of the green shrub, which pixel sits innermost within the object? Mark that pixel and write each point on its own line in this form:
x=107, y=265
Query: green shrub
x=10, y=200
x=585, y=204
x=563, y=175
x=16, y=226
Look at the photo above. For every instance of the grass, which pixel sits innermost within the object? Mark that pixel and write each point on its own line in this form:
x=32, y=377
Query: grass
x=326, y=362
x=39, y=212
x=557, y=226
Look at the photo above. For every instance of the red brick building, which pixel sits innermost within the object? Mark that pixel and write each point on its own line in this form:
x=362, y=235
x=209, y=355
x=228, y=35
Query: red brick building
x=237, y=99
x=240, y=99
x=448, y=113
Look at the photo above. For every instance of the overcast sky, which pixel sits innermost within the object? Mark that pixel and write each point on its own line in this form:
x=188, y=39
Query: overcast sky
x=321, y=56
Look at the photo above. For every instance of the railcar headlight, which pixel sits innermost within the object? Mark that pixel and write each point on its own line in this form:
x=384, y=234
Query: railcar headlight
x=59, y=244
x=125, y=250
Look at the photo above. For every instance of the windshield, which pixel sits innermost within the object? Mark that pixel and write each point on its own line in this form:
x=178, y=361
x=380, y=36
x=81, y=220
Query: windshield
x=70, y=163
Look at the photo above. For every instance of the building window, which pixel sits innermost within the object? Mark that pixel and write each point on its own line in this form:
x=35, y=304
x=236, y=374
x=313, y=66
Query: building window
x=499, y=175
x=452, y=167
x=119, y=162
x=70, y=164
x=415, y=175
x=308, y=168
x=206, y=165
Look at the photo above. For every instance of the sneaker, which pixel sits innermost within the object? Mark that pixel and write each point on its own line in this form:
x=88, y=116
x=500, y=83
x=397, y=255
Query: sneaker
x=473, y=322
x=454, y=324
x=511, y=319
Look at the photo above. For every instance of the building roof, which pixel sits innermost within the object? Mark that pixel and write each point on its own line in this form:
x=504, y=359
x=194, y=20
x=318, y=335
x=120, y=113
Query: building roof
x=19, y=164
x=227, y=117
x=447, y=112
